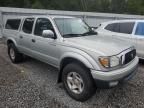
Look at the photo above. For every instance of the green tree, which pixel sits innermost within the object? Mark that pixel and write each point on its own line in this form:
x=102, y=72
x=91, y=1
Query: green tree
x=114, y=6
x=37, y=4
x=118, y=6
x=135, y=6
x=104, y=5
x=93, y=5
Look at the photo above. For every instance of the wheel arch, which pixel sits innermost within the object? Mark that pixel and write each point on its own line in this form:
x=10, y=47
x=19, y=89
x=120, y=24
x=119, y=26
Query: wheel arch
x=10, y=40
x=72, y=57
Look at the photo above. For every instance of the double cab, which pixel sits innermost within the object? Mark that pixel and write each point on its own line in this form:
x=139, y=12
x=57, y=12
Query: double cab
x=85, y=60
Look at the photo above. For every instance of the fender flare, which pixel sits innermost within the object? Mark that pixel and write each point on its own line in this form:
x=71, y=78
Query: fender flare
x=78, y=57
x=11, y=39
x=86, y=60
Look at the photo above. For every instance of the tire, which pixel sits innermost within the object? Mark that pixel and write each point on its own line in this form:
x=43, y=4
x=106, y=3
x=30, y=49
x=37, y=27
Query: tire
x=13, y=53
x=84, y=78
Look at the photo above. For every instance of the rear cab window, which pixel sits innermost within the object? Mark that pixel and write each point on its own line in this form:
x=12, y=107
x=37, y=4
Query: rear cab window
x=13, y=24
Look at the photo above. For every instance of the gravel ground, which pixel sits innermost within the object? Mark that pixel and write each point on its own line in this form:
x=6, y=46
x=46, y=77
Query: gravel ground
x=32, y=84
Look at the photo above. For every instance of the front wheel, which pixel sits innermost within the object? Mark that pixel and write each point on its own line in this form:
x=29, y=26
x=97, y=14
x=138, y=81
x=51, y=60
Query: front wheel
x=78, y=82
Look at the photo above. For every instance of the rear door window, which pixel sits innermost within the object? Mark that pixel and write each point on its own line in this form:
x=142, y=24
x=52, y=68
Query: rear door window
x=140, y=29
x=13, y=24
x=28, y=25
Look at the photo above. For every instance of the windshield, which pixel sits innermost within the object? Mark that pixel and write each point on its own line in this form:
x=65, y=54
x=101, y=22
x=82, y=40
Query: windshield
x=73, y=27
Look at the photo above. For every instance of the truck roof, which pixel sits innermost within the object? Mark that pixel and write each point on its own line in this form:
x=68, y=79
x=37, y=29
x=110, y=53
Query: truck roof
x=51, y=16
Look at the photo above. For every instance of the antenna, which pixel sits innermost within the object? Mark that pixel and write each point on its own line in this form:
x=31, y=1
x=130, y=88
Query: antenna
x=84, y=8
x=84, y=5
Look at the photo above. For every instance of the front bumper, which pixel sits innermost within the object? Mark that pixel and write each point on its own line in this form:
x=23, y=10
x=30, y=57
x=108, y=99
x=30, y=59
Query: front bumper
x=112, y=78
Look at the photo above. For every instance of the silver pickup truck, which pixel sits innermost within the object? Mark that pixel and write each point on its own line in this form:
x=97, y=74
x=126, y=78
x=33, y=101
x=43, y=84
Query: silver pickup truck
x=85, y=60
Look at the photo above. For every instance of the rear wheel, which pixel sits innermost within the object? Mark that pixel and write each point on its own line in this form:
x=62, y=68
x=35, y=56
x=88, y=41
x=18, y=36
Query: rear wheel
x=13, y=53
x=78, y=81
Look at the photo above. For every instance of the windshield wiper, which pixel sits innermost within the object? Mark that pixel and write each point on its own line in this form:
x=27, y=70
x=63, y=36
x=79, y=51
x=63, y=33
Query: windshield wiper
x=78, y=35
x=72, y=35
x=89, y=33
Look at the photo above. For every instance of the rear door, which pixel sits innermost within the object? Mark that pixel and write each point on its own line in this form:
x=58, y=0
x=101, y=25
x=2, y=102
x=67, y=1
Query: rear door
x=12, y=28
x=139, y=35
x=25, y=36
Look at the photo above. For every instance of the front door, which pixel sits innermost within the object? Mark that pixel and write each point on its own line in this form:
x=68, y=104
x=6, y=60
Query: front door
x=45, y=49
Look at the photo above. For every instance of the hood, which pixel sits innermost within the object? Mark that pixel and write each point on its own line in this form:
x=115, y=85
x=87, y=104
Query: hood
x=104, y=45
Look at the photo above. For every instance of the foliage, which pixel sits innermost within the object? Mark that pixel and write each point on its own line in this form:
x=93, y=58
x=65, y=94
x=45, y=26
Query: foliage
x=111, y=6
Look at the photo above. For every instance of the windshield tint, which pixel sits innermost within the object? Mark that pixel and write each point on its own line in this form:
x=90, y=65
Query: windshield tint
x=72, y=27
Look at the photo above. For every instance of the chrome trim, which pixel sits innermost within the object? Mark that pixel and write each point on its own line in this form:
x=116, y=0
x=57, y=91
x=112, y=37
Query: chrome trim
x=122, y=55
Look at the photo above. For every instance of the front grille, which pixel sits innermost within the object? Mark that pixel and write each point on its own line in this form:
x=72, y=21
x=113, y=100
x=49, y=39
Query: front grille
x=129, y=56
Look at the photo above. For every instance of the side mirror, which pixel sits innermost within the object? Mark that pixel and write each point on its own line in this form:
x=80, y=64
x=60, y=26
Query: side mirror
x=48, y=34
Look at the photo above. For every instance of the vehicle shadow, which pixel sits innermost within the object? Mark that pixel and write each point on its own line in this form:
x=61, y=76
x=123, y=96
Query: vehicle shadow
x=141, y=61
x=45, y=76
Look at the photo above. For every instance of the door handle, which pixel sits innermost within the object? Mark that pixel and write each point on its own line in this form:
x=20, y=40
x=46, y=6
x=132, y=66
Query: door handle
x=21, y=37
x=33, y=40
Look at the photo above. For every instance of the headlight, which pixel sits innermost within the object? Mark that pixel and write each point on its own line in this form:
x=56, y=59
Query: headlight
x=109, y=62
x=114, y=61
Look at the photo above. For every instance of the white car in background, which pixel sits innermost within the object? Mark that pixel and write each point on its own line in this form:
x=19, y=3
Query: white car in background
x=131, y=31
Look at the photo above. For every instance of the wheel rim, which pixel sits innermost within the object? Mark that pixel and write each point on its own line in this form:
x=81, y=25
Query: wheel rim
x=75, y=82
x=12, y=54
